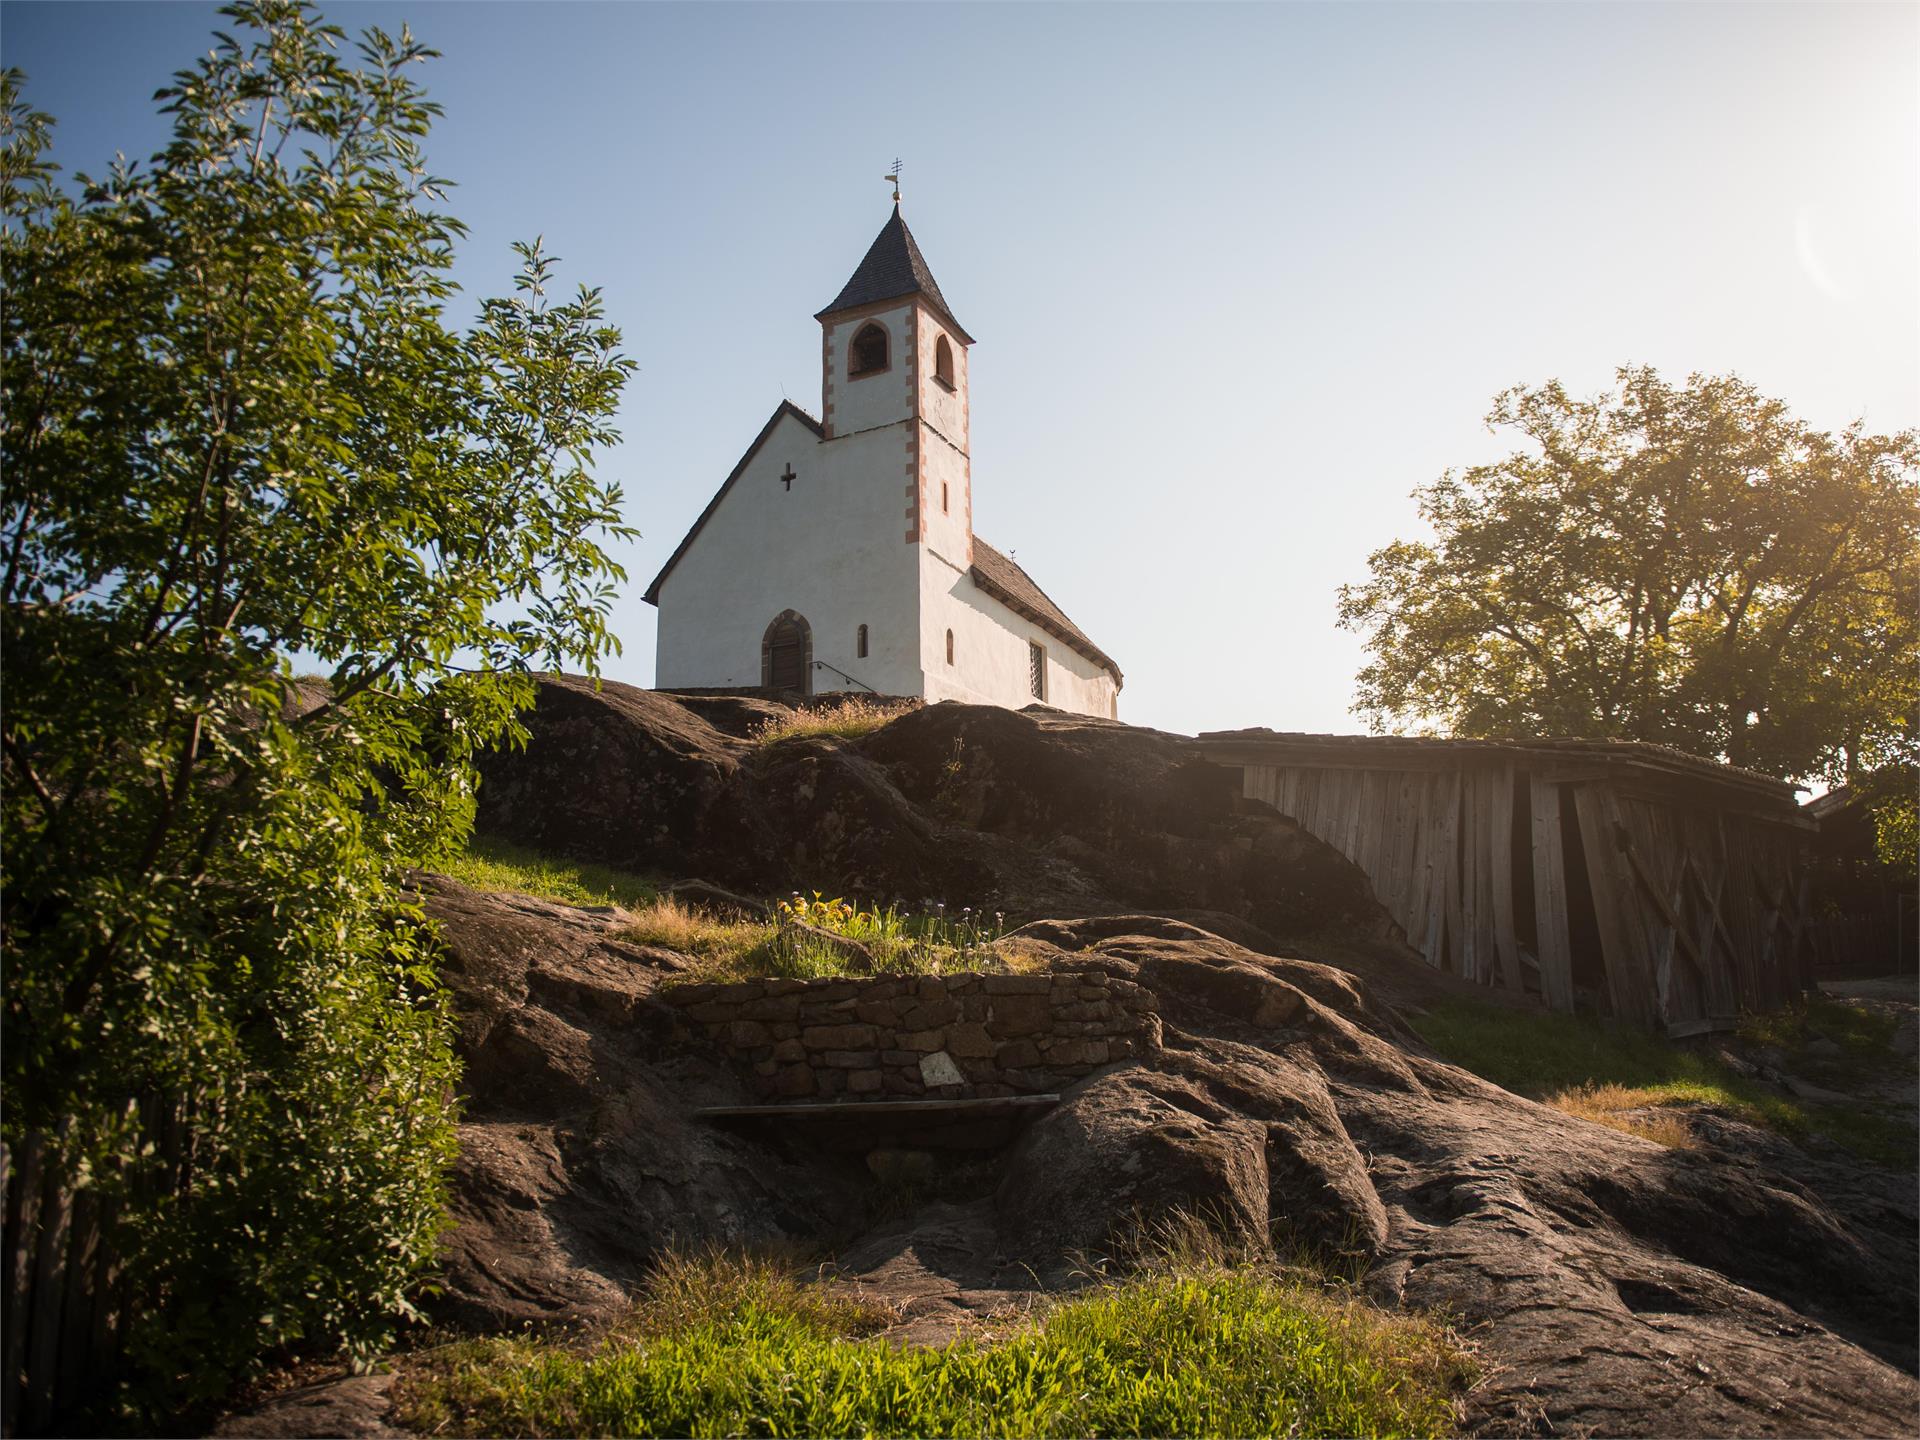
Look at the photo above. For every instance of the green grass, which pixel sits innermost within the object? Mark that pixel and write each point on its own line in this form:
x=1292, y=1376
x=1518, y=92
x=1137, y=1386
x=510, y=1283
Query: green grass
x=736, y=1348
x=1863, y=1037
x=1563, y=1059
x=497, y=865
x=732, y=948
x=1541, y=1054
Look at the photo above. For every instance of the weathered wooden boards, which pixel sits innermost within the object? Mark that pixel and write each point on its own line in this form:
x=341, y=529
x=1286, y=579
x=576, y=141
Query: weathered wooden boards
x=1696, y=910
x=1438, y=846
x=67, y=1303
x=1707, y=913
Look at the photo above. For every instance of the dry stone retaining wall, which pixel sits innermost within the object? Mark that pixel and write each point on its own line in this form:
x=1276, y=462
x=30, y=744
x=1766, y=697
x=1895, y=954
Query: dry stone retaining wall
x=897, y=1037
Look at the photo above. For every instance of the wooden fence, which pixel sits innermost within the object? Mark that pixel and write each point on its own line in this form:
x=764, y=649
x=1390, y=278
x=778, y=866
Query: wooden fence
x=69, y=1303
x=1863, y=945
x=1657, y=888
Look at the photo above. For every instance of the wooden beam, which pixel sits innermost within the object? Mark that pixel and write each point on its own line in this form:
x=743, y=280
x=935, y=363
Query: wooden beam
x=24, y=1181
x=1419, y=871
x=1473, y=955
x=1629, y=980
x=1550, y=898
x=1440, y=859
x=871, y=1109
x=1723, y=988
x=1668, y=909
x=1500, y=862
x=1406, y=821
x=1479, y=896
x=49, y=1293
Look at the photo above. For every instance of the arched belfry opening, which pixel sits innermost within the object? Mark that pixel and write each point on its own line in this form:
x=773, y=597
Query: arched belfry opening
x=786, y=653
x=943, y=362
x=869, y=355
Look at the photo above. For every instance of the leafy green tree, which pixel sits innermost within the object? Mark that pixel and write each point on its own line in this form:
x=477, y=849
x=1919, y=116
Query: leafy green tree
x=1689, y=565
x=240, y=428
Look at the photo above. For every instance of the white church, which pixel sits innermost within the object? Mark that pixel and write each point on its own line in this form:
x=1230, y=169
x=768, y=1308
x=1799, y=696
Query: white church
x=840, y=553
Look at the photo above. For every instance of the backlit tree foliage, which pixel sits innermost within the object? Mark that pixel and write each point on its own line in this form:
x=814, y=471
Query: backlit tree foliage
x=1687, y=564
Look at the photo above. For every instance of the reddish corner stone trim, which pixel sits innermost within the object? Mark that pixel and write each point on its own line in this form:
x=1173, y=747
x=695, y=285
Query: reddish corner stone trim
x=916, y=530
x=826, y=382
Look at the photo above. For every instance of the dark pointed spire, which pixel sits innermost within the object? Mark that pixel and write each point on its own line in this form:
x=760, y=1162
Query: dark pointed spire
x=893, y=269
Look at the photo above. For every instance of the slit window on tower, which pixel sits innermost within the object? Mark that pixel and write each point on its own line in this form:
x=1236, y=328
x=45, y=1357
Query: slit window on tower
x=869, y=355
x=949, y=647
x=860, y=643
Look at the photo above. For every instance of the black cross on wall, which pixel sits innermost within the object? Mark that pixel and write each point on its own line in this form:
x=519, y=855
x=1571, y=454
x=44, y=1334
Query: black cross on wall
x=788, y=478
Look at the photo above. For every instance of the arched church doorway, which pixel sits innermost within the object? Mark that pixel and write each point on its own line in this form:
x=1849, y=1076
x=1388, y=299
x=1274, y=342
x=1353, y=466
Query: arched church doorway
x=786, y=653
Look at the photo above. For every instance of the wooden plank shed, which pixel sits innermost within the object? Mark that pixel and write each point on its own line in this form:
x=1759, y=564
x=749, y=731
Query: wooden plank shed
x=1612, y=876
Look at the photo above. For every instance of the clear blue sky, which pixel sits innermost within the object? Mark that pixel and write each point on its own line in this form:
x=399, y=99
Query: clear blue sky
x=1242, y=276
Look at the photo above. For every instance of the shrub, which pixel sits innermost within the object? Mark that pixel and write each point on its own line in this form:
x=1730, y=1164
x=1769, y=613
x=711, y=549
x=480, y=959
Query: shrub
x=237, y=429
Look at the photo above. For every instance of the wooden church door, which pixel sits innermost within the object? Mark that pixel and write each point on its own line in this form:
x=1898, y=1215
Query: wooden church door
x=785, y=653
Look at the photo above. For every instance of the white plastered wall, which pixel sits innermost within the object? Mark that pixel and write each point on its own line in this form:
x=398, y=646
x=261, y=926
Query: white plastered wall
x=831, y=548
x=990, y=654
x=945, y=468
x=883, y=398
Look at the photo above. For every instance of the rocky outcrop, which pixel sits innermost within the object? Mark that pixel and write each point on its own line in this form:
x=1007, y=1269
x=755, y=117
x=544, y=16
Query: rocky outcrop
x=1615, y=1286
x=1611, y=1286
x=580, y=1158
x=1034, y=813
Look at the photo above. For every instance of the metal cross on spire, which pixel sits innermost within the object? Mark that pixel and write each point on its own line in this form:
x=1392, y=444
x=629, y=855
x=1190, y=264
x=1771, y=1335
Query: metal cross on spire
x=894, y=176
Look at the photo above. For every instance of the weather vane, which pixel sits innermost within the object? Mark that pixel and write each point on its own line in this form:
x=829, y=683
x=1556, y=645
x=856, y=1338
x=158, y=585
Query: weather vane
x=894, y=176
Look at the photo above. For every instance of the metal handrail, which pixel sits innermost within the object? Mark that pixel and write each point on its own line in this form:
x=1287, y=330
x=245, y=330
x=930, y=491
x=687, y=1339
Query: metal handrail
x=823, y=665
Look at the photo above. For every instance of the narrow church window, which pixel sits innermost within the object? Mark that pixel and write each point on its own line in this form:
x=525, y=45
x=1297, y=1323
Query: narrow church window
x=1037, y=670
x=949, y=647
x=943, y=363
x=943, y=497
x=869, y=351
x=860, y=643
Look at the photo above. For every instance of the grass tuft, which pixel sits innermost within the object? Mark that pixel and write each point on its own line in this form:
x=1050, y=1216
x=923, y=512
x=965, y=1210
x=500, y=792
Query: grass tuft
x=850, y=718
x=1632, y=1110
x=497, y=865
x=687, y=1289
x=732, y=1347
x=721, y=943
x=725, y=949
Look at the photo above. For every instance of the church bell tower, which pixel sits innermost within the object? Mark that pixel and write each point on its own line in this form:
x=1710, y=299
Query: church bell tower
x=892, y=355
